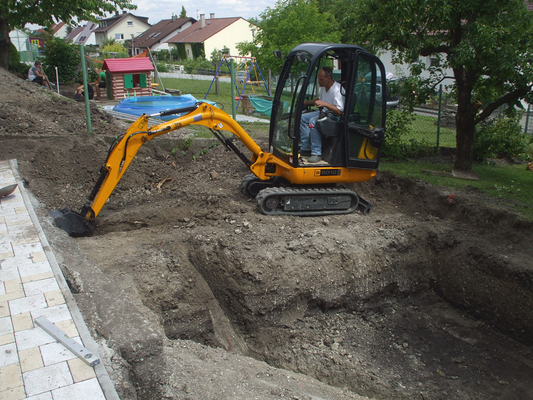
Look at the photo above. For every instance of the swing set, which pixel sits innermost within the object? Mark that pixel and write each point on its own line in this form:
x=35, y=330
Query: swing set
x=245, y=66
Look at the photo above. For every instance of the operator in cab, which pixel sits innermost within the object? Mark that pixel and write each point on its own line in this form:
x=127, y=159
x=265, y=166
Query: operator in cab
x=330, y=100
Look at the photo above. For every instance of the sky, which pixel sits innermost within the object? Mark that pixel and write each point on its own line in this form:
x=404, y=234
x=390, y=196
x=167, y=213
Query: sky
x=156, y=10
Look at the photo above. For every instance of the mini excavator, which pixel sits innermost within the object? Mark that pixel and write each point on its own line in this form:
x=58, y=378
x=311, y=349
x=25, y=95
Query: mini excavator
x=281, y=180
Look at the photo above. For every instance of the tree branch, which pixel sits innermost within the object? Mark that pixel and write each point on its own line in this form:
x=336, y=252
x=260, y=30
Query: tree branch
x=509, y=97
x=427, y=51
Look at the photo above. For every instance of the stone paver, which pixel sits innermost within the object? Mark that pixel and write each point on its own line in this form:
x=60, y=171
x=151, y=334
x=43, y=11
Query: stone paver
x=33, y=365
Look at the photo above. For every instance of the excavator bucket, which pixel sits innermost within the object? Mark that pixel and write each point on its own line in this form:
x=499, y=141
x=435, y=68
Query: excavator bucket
x=71, y=222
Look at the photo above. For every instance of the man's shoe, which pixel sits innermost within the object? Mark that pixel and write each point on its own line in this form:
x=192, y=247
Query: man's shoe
x=314, y=159
x=305, y=153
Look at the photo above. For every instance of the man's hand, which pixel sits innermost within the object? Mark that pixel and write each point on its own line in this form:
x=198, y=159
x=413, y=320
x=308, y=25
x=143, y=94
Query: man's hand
x=330, y=107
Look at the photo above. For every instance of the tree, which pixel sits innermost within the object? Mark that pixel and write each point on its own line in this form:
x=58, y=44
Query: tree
x=65, y=56
x=487, y=44
x=183, y=13
x=16, y=14
x=290, y=23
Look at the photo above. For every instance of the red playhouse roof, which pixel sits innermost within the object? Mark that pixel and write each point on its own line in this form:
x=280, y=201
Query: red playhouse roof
x=139, y=64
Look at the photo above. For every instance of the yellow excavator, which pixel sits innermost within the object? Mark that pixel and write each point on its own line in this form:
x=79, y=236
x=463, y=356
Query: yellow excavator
x=283, y=181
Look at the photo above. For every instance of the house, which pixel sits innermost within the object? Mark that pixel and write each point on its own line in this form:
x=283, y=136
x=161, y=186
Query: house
x=212, y=34
x=120, y=27
x=83, y=34
x=59, y=30
x=128, y=77
x=155, y=37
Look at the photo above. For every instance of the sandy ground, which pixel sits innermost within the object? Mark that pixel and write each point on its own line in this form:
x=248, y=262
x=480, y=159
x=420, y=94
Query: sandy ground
x=193, y=294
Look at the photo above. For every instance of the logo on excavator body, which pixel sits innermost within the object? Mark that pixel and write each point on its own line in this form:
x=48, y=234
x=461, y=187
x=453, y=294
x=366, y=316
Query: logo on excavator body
x=327, y=172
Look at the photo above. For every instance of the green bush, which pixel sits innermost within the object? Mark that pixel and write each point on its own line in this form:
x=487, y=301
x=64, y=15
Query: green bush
x=65, y=56
x=499, y=138
x=162, y=67
x=398, y=125
x=14, y=62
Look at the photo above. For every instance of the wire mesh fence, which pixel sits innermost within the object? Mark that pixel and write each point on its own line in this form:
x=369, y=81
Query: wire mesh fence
x=435, y=125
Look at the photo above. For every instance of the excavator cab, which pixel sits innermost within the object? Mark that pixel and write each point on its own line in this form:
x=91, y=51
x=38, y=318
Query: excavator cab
x=282, y=182
x=353, y=140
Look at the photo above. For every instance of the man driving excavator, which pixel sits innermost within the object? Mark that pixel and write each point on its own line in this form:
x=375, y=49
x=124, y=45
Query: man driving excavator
x=329, y=100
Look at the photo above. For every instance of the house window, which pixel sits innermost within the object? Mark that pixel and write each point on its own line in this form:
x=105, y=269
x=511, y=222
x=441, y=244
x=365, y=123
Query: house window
x=433, y=62
x=119, y=36
x=130, y=23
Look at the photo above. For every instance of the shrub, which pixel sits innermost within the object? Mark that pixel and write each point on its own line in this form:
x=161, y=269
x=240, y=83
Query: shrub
x=65, y=56
x=14, y=62
x=162, y=67
x=502, y=137
x=398, y=123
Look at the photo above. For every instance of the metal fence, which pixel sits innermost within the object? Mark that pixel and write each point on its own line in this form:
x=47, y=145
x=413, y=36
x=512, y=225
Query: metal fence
x=436, y=125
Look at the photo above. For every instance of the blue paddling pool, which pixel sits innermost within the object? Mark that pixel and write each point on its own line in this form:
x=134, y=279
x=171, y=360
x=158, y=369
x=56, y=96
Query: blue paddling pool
x=154, y=104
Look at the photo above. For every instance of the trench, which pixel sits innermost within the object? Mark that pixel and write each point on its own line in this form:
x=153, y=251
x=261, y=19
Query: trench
x=419, y=325
x=420, y=299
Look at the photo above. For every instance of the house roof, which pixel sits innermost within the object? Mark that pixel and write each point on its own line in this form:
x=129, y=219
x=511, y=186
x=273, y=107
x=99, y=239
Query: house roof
x=196, y=34
x=73, y=34
x=138, y=64
x=160, y=31
x=85, y=33
x=57, y=27
x=107, y=23
x=54, y=28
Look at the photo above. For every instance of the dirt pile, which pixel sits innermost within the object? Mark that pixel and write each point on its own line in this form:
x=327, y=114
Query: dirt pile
x=193, y=294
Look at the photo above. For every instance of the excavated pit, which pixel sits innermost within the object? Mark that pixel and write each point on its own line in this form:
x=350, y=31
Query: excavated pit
x=395, y=304
x=189, y=290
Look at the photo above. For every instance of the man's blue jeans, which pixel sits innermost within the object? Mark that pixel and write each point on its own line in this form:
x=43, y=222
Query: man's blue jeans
x=309, y=136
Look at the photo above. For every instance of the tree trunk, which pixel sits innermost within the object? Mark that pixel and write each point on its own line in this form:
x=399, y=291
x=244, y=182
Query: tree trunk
x=5, y=43
x=465, y=125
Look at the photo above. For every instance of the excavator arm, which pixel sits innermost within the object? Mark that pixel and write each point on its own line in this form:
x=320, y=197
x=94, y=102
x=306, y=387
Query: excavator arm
x=125, y=147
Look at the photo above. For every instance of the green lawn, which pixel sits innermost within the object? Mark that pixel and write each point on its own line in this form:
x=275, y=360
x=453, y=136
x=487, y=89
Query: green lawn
x=199, y=90
x=424, y=128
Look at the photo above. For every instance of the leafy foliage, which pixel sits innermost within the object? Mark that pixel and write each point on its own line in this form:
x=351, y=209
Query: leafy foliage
x=487, y=44
x=14, y=62
x=16, y=14
x=183, y=13
x=290, y=23
x=118, y=50
x=502, y=137
x=64, y=56
x=398, y=123
x=191, y=65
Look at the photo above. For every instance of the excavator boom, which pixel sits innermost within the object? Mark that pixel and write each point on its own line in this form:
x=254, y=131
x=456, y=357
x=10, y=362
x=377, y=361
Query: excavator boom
x=125, y=147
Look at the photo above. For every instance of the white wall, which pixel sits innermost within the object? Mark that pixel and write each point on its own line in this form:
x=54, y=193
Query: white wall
x=402, y=70
x=237, y=32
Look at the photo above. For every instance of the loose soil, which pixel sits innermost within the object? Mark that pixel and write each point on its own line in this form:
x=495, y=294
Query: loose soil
x=192, y=293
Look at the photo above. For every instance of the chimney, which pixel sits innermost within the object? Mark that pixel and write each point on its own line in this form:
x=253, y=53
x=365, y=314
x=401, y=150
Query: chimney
x=202, y=21
x=212, y=15
x=174, y=18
